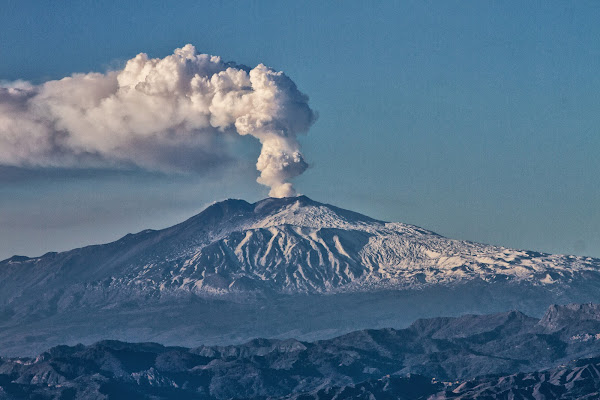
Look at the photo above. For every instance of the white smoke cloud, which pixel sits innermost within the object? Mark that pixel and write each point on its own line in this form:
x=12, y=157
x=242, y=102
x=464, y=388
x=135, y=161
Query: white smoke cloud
x=151, y=111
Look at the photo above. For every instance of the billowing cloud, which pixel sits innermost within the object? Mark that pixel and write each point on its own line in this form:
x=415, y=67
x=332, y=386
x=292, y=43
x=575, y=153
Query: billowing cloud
x=158, y=114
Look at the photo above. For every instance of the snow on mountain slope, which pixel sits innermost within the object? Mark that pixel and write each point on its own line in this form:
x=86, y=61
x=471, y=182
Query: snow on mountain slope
x=289, y=245
x=298, y=245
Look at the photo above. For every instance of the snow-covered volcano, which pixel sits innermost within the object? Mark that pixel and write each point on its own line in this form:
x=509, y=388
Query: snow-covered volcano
x=299, y=245
x=289, y=247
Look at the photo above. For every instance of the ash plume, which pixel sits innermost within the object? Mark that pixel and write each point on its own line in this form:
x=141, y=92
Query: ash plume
x=155, y=113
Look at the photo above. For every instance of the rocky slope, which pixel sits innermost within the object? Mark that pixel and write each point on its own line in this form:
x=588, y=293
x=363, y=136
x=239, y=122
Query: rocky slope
x=488, y=356
x=580, y=381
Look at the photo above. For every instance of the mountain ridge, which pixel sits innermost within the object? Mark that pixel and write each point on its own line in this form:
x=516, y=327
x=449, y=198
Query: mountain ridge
x=471, y=356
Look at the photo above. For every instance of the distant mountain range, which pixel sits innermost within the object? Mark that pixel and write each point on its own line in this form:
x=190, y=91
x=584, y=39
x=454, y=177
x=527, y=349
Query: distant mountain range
x=288, y=267
x=505, y=355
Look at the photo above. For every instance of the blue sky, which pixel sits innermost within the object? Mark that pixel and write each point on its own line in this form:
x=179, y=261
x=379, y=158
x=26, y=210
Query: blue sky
x=478, y=120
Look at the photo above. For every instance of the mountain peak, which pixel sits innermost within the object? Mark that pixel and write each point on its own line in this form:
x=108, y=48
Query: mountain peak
x=558, y=317
x=263, y=206
x=284, y=201
x=237, y=215
x=271, y=203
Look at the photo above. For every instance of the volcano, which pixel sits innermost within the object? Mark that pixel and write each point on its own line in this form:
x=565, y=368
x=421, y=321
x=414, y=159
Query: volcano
x=289, y=267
